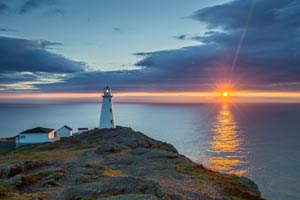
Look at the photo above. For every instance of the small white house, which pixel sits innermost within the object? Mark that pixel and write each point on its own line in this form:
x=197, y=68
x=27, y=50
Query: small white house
x=35, y=135
x=64, y=131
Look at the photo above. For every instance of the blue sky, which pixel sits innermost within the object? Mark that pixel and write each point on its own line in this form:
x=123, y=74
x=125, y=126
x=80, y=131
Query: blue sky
x=106, y=33
x=157, y=45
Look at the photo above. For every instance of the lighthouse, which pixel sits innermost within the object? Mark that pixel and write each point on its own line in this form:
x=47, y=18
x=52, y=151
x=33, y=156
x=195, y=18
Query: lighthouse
x=107, y=119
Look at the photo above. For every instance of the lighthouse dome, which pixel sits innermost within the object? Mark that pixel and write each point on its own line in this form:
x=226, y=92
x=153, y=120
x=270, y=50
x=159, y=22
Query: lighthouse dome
x=107, y=92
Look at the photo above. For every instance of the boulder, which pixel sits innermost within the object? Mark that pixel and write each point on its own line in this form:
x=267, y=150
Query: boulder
x=11, y=169
x=112, y=186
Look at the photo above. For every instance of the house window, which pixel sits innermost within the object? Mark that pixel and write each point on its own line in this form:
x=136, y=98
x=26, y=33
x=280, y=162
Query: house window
x=22, y=137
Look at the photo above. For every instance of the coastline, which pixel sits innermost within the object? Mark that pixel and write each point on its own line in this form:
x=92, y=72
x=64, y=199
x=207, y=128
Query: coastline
x=114, y=164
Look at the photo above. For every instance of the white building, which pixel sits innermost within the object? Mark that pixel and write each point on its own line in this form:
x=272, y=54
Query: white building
x=64, y=131
x=107, y=119
x=35, y=135
x=82, y=130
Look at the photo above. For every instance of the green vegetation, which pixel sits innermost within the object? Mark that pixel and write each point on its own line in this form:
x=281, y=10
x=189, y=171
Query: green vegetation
x=40, y=167
x=112, y=172
x=189, y=168
x=230, y=183
x=35, y=152
x=9, y=188
x=199, y=181
x=17, y=196
x=89, y=197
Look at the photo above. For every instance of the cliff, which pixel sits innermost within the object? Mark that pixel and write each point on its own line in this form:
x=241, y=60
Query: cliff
x=113, y=164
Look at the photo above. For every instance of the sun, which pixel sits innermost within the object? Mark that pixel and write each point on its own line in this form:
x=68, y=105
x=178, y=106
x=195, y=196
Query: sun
x=225, y=94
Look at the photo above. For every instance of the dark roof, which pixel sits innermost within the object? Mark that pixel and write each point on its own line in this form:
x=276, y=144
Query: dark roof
x=83, y=128
x=68, y=127
x=38, y=130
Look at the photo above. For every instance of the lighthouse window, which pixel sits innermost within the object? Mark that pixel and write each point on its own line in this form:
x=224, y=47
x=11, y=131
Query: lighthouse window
x=111, y=121
x=110, y=110
x=109, y=100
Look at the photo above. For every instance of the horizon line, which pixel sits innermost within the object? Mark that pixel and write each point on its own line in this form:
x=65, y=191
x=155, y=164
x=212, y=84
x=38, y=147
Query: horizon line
x=165, y=97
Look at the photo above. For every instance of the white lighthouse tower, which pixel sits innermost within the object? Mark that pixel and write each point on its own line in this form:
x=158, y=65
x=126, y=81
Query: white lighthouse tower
x=107, y=119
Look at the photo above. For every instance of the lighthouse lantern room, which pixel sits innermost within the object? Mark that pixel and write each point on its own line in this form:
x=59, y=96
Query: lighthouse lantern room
x=107, y=119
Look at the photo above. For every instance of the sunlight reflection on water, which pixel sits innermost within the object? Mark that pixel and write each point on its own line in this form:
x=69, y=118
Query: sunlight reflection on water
x=225, y=143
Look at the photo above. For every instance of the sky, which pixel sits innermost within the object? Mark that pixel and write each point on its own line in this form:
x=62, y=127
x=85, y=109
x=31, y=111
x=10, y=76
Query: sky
x=149, y=50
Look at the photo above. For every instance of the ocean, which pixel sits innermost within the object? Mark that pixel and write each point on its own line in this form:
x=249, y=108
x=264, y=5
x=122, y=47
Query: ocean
x=259, y=141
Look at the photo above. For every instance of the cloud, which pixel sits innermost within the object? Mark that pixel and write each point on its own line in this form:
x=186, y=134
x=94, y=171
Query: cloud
x=117, y=29
x=21, y=55
x=55, y=11
x=29, y=5
x=10, y=78
x=3, y=8
x=268, y=58
x=181, y=37
x=7, y=30
x=127, y=80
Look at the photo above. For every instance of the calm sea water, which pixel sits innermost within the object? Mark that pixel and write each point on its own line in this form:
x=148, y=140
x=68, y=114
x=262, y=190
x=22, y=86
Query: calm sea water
x=254, y=140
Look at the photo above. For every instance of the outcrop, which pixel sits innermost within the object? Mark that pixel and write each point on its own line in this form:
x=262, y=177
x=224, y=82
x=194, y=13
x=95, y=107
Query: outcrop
x=114, y=164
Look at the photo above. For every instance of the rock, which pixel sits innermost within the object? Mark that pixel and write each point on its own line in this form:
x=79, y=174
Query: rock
x=50, y=182
x=143, y=161
x=130, y=197
x=174, y=197
x=250, y=185
x=11, y=169
x=168, y=147
x=57, y=175
x=108, y=147
x=119, y=185
x=33, y=164
x=54, y=178
x=113, y=139
x=4, y=170
x=123, y=164
x=11, y=183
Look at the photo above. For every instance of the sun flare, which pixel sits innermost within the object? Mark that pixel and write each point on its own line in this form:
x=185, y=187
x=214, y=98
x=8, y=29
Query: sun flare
x=225, y=94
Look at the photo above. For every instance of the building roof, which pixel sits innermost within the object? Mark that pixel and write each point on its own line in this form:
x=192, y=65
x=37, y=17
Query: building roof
x=83, y=128
x=68, y=127
x=38, y=130
x=65, y=126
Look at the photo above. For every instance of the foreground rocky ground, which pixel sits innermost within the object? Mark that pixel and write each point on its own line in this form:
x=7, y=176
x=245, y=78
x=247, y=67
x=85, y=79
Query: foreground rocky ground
x=113, y=164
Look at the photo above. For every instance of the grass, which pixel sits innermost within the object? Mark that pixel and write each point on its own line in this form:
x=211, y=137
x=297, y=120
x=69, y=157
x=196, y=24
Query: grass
x=8, y=185
x=230, y=183
x=19, y=181
x=189, y=168
x=17, y=196
x=91, y=176
x=81, y=147
x=43, y=155
x=62, y=155
x=199, y=181
x=112, y=172
x=9, y=188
